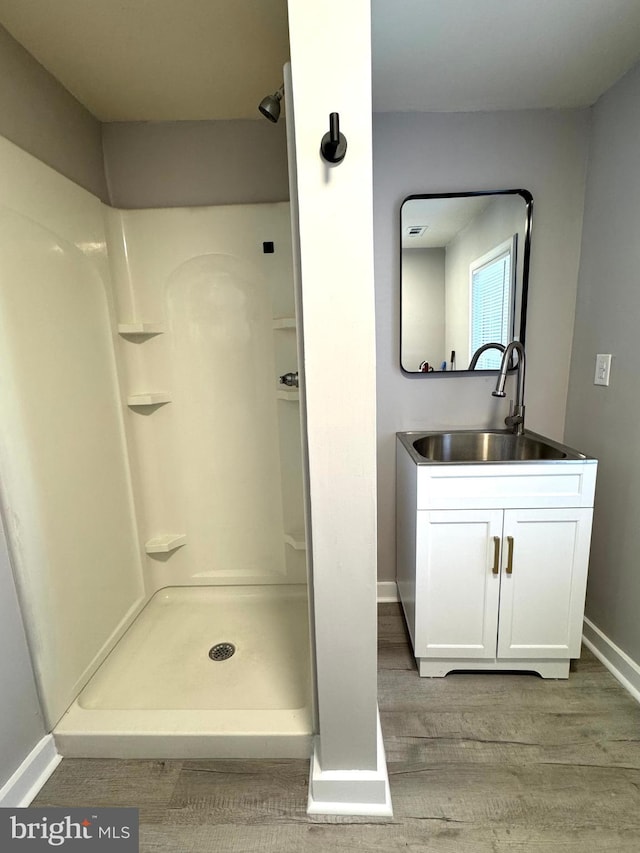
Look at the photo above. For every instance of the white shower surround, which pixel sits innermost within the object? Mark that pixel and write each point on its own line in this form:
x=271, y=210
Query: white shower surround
x=207, y=464
x=73, y=546
x=68, y=492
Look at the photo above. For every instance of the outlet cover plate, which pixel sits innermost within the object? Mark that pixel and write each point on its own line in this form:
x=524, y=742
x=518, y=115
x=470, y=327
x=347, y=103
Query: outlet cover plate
x=603, y=369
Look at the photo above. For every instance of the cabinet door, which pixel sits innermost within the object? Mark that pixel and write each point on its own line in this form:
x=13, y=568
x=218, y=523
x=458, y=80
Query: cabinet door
x=542, y=596
x=457, y=590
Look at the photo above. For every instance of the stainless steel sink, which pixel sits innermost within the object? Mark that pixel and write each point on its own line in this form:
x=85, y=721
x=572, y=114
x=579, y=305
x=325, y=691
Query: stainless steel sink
x=474, y=446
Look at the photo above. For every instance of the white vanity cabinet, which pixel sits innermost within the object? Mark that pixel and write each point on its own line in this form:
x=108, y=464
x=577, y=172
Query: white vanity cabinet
x=492, y=562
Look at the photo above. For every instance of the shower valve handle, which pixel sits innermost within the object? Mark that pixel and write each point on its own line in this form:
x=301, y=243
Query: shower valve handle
x=334, y=145
x=289, y=379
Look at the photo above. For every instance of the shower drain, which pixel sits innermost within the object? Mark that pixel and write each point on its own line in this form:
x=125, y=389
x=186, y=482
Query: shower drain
x=222, y=651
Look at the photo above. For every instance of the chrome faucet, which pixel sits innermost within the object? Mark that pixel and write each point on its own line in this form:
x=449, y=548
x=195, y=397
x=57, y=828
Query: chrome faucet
x=515, y=418
x=480, y=350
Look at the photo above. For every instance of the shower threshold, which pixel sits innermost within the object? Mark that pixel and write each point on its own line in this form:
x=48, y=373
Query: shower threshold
x=163, y=693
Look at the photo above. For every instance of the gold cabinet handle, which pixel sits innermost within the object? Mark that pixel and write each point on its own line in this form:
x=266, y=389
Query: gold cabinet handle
x=496, y=555
x=509, y=555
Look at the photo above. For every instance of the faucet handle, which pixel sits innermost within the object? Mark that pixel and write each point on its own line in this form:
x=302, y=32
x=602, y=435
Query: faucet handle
x=515, y=418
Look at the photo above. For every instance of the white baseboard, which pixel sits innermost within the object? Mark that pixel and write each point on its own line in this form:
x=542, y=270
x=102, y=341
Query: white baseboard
x=26, y=782
x=387, y=592
x=619, y=664
x=350, y=792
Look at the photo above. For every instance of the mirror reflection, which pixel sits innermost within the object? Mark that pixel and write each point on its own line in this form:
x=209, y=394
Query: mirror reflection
x=464, y=275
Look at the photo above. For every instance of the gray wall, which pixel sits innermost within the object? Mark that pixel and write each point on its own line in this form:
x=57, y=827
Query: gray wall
x=423, y=311
x=40, y=116
x=147, y=164
x=604, y=421
x=542, y=151
x=21, y=724
x=190, y=163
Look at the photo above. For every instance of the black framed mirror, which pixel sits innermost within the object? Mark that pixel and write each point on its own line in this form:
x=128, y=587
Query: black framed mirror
x=464, y=277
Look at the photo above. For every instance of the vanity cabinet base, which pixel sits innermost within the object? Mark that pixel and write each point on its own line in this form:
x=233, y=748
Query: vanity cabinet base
x=492, y=563
x=438, y=668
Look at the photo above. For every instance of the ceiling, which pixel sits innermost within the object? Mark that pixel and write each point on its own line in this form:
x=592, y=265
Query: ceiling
x=461, y=55
x=160, y=60
x=443, y=218
x=157, y=60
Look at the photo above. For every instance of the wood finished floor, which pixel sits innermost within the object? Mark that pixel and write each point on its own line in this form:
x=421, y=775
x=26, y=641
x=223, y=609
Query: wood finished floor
x=504, y=763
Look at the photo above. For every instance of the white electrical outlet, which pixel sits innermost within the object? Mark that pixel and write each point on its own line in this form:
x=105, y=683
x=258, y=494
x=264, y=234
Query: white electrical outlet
x=603, y=369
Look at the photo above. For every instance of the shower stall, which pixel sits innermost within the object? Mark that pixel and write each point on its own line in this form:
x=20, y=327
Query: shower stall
x=151, y=470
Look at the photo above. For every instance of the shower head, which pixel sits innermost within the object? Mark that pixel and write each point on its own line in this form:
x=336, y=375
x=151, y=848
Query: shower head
x=270, y=106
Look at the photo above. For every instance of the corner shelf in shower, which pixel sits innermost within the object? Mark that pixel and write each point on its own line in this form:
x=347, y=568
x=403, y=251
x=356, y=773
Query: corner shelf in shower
x=151, y=398
x=284, y=323
x=140, y=330
x=296, y=540
x=165, y=544
x=291, y=396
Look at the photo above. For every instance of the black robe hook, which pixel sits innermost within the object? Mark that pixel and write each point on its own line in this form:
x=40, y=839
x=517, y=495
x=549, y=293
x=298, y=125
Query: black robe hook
x=334, y=145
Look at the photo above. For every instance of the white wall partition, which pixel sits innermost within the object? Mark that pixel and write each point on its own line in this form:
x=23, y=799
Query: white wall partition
x=64, y=476
x=330, y=64
x=209, y=422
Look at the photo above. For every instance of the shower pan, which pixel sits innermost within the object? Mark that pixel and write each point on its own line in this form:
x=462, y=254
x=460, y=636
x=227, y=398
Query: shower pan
x=151, y=471
x=162, y=694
